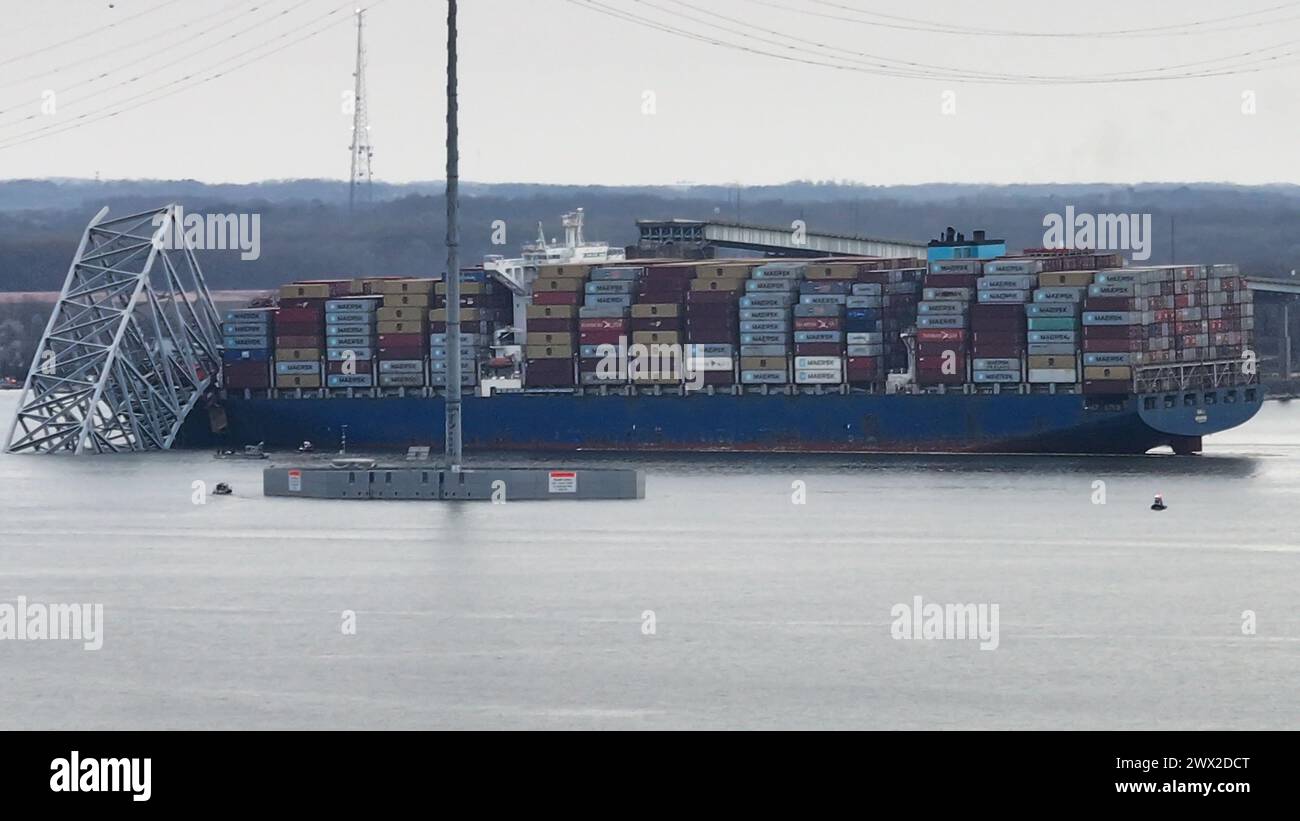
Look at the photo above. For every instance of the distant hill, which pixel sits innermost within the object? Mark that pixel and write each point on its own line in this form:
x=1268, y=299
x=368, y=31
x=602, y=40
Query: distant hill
x=307, y=231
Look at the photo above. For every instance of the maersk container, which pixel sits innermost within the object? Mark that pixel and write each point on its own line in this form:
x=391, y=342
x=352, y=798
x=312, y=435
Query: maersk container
x=1059, y=294
x=996, y=376
x=709, y=364
x=941, y=322
x=351, y=330
x=857, y=351
x=819, y=377
x=837, y=300
x=772, y=326
x=872, y=302
x=1051, y=349
x=947, y=294
x=246, y=342
x=602, y=311
x=942, y=308
x=292, y=368
x=998, y=297
x=1069, y=309
x=788, y=269
x=609, y=300
x=358, y=304
x=997, y=364
x=956, y=266
x=768, y=377
x=1013, y=282
x=768, y=286
x=259, y=315
x=1112, y=317
x=618, y=287
x=349, y=341
x=1112, y=289
x=813, y=363
x=615, y=274
x=764, y=339
x=1108, y=359
x=1013, y=266
x=767, y=301
x=761, y=314
x=356, y=380
x=401, y=366
x=867, y=289
x=1052, y=337
x=401, y=380
x=342, y=354
x=818, y=336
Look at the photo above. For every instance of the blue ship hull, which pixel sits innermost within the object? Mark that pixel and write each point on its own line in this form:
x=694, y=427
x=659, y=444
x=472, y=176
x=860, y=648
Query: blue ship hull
x=828, y=423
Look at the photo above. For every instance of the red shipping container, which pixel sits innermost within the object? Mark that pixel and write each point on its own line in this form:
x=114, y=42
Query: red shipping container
x=403, y=340
x=549, y=373
x=316, y=305
x=609, y=324
x=358, y=366
x=652, y=323
x=1110, y=303
x=1107, y=386
x=309, y=316
x=465, y=327
x=979, y=311
x=298, y=328
x=557, y=298
x=551, y=325
x=940, y=335
x=731, y=326
x=936, y=378
x=951, y=281
x=930, y=364
x=712, y=310
x=300, y=342
x=663, y=272
x=818, y=349
x=406, y=352
x=817, y=323
x=924, y=349
x=998, y=325
x=710, y=337
x=609, y=337
x=1114, y=332
x=240, y=375
x=991, y=351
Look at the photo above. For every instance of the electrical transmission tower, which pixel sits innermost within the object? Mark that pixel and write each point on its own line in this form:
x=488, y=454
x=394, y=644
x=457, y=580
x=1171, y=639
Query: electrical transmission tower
x=361, y=149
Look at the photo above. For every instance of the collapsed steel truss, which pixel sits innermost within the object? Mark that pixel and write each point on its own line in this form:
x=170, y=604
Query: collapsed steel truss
x=132, y=344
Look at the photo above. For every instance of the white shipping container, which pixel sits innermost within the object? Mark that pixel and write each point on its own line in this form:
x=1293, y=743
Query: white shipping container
x=709, y=363
x=818, y=377
x=942, y=308
x=1013, y=266
x=1060, y=294
x=1011, y=282
x=1049, y=375
x=865, y=350
x=989, y=297
x=864, y=339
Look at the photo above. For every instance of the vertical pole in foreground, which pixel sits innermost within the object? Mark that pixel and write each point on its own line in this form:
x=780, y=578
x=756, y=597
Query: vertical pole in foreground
x=453, y=256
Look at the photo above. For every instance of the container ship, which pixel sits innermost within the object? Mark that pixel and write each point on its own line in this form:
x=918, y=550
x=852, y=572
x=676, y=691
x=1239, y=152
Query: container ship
x=585, y=348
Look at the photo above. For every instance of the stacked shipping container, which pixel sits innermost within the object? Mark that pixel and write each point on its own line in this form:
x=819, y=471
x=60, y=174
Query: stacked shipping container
x=300, y=334
x=999, y=320
x=247, y=338
x=766, y=329
x=351, y=340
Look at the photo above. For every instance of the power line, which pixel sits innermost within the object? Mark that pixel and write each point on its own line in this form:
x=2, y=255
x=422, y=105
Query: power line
x=182, y=84
x=1174, y=29
x=90, y=33
x=185, y=58
x=119, y=49
x=957, y=73
x=914, y=70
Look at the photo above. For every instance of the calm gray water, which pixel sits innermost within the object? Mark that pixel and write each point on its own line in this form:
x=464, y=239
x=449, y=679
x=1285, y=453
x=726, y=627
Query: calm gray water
x=767, y=614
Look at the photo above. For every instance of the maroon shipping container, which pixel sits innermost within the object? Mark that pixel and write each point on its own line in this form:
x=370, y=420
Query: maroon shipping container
x=924, y=349
x=713, y=325
x=660, y=293
x=717, y=377
x=951, y=281
x=551, y=325
x=609, y=337
x=991, y=351
x=549, y=373
x=316, y=305
x=300, y=342
x=308, y=316
x=998, y=338
x=359, y=366
x=937, y=363
x=1114, y=332
x=240, y=375
x=818, y=349
x=712, y=310
x=1107, y=386
x=726, y=297
x=557, y=298
x=937, y=378
x=654, y=323
x=710, y=337
x=998, y=325
x=297, y=328
x=608, y=324
x=403, y=340
x=982, y=311
x=402, y=352
x=659, y=273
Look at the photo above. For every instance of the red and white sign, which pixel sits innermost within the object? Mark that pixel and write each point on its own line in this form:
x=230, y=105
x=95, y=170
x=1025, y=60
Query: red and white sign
x=295, y=481
x=562, y=481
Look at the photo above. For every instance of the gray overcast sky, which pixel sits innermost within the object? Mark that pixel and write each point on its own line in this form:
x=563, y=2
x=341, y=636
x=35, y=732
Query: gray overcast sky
x=554, y=92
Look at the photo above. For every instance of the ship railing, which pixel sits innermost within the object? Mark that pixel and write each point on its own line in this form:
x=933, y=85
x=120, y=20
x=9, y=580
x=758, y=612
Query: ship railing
x=1206, y=375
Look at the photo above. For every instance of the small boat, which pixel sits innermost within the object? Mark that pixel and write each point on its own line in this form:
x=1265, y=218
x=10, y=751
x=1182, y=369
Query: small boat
x=222, y=489
x=1159, y=503
x=249, y=452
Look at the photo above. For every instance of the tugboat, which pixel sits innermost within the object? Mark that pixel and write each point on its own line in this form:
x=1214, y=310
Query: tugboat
x=249, y=452
x=222, y=489
x=1159, y=503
